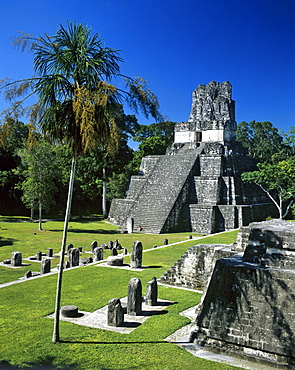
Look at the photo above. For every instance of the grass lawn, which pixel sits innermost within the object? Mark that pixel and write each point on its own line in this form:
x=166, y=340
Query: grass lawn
x=26, y=333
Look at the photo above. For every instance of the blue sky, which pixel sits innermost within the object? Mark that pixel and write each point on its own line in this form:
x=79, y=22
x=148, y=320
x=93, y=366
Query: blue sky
x=177, y=45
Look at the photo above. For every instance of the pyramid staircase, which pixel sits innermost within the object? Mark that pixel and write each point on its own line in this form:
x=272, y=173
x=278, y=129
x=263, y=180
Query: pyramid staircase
x=162, y=189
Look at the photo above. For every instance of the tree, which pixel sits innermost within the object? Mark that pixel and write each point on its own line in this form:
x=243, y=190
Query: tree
x=289, y=139
x=40, y=173
x=127, y=125
x=164, y=130
x=74, y=101
x=277, y=181
x=13, y=135
x=154, y=140
x=263, y=140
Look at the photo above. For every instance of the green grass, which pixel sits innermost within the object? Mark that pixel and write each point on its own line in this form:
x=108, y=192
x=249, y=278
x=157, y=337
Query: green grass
x=18, y=234
x=26, y=333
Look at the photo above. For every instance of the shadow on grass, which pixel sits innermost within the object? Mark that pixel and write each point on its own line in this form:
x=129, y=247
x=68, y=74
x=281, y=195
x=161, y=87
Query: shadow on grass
x=42, y=365
x=4, y=242
x=14, y=219
x=153, y=313
x=127, y=343
x=97, y=231
x=81, y=231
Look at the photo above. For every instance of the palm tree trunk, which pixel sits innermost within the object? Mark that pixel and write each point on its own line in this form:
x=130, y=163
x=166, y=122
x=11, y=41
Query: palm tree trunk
x=56, y=336
x=104, y=193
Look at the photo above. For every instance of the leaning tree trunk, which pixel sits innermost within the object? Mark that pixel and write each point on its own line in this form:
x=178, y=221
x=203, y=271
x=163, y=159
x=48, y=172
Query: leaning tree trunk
x=104, y=193
x=281, y=207
x=56, y=336
x=40, y=216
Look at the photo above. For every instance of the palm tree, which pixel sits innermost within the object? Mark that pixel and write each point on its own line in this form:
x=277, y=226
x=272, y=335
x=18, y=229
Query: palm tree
x=75, y=96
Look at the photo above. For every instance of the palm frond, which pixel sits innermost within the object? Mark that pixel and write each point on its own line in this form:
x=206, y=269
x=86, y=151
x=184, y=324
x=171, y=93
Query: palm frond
x=140, y=97
x=25, y=41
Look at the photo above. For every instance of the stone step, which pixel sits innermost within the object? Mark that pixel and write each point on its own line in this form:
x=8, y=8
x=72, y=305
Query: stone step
x=161, y=190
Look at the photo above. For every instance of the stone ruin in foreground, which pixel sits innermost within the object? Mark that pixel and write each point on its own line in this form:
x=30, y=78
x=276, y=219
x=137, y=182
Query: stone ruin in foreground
x=248, y=305
x=197, y=185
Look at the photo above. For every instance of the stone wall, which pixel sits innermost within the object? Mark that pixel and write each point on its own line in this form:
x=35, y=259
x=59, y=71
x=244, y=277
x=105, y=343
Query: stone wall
x=194, y=268
x=148, y=163
x=210, y=165
x=202, y=218
x=136, y=183
x=119, y=209
x=274, y=233
x=207, y=190
x=209, y=219
x=249, y=310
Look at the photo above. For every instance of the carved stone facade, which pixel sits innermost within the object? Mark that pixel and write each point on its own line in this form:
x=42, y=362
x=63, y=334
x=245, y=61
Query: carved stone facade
x=248, y=308
x=212, y=116
x=194, y=268
x=197, y=185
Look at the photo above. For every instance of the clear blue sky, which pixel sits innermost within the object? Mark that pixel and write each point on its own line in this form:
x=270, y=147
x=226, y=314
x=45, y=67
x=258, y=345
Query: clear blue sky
x=177, y=45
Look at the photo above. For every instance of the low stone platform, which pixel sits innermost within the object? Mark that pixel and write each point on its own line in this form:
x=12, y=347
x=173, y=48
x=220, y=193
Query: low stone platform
x=125, y=266
x=99, y=319
x=14, y=267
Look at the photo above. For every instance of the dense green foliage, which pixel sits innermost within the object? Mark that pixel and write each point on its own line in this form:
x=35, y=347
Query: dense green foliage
x=13, y=134
x=277, y=180
x=40, y=173
x=263, y=141
x=274, y=152
x=89, y=169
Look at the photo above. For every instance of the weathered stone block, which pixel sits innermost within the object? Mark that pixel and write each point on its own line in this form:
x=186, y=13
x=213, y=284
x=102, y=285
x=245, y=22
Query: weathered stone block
x=98, y=254
x=130, y=224
x=93, y=245
x=134, y=299
x=245, y=305
x=28, y=274
x=69, y=311
x=151, y=298
x=115, y=312
x=136, y=255
x=16, y=259
x=115, y=261
x=74, y=255
x=45, y=266
x=194, y=268
x=86, y=260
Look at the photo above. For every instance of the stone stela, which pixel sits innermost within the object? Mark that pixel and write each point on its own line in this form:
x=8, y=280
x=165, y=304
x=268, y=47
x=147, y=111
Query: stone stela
x=136, y=255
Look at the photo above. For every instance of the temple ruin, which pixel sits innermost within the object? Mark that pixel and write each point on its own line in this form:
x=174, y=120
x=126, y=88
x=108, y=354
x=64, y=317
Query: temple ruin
x=196, y=186
x=248, y=307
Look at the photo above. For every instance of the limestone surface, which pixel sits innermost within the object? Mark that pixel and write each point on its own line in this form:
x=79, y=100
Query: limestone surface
x=249, y=307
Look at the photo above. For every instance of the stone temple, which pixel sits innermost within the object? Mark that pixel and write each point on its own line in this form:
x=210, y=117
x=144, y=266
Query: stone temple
x=248, y=307
x=196, y=186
